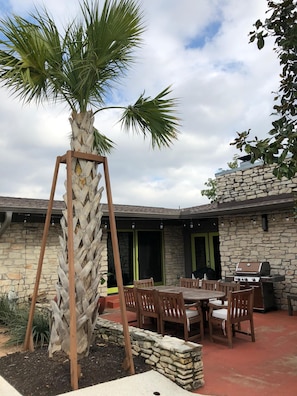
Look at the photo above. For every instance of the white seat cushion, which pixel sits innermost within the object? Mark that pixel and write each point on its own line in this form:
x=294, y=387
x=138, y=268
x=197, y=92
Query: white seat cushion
x=220, y=313
x=219, y=303
x=191, y=313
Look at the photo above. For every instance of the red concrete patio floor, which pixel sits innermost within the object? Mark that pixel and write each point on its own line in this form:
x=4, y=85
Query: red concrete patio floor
x=266, y=367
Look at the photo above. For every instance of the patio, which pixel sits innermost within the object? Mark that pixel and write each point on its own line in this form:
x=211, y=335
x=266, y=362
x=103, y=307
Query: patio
x=266, y=367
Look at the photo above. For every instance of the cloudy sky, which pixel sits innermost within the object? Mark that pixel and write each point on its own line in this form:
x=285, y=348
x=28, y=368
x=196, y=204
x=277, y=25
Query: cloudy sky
x=224, y=85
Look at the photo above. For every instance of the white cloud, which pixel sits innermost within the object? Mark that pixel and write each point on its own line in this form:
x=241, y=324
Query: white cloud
x=223, y=87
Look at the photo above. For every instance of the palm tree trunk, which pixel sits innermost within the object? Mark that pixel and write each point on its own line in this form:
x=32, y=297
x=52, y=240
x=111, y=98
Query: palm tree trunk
x=87, y=215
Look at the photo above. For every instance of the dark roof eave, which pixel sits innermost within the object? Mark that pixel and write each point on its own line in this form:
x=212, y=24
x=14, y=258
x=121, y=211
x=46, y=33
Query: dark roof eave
x=285, y=201
x=40, y=206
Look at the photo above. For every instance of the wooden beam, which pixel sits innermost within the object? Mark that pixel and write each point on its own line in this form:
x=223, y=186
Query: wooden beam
x=28, y=342
x=128, y=363
x=71, y=276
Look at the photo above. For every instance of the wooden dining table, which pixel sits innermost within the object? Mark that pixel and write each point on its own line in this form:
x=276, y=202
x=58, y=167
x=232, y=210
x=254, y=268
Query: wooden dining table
x=192, y=294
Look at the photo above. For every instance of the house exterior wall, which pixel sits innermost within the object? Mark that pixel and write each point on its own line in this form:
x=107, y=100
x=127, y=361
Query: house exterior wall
x=242, y=237
x=174, y=257
x=19, y=255
x=251, y=181
x=20, y=249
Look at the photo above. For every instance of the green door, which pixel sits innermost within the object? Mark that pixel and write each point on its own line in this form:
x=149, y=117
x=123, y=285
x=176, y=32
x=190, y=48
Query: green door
x=141, y=256
x=206, y=252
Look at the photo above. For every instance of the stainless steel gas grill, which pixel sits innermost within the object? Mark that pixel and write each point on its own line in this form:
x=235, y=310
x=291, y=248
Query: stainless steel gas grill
x=257, y=275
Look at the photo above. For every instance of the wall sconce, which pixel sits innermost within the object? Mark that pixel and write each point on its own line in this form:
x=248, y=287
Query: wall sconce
x=191, y=224
x=53, y=222
x=27, y=215
x=133, y=225
x=264, y=222
x=253, y=220
x=161, y=225
x=287, y=218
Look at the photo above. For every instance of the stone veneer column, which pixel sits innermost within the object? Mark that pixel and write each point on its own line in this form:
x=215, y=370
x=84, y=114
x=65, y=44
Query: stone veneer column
x=174, y=258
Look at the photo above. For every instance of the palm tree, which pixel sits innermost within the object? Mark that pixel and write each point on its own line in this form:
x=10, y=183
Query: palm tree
x=80, y=68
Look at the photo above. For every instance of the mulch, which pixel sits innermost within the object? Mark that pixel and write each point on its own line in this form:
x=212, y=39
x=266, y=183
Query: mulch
x=35, y=374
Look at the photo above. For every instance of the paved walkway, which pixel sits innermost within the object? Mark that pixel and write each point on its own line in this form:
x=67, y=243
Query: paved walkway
x=149, y=383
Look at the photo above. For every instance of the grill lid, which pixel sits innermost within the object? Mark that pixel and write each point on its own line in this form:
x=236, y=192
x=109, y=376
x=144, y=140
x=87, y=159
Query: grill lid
x=253, y=268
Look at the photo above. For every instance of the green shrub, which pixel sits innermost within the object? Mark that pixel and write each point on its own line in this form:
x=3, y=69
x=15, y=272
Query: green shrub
x=15, y=318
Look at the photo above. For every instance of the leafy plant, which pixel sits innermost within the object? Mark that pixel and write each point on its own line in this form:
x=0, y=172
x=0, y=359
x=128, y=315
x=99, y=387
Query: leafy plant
x=279, y=148
x=15, y=318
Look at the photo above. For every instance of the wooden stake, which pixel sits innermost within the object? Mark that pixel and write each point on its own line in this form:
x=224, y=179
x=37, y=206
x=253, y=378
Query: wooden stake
x=71, y=276
x=28, y=342
x=128, y=362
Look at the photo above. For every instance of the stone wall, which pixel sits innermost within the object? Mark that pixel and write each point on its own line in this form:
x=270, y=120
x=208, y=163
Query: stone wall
x=250, y=182
x=19, y=255
x=178, y=360
x=242, y=237
x=174, y=256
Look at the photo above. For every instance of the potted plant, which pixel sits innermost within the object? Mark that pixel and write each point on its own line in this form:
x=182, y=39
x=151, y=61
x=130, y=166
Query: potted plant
x=102, y=299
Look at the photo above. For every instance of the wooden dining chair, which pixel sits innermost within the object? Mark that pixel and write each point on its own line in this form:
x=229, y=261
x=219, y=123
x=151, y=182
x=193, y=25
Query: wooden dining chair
x=174, y=310
x=144, y=282
x=130, y=302
x=189, y=282
x=240, y=309
x=209, y=284
x=147, y=306
x=225, y=287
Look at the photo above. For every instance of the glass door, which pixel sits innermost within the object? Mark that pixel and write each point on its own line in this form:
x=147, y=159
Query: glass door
x=125, y=241
x=149, y=255
x=141, y=256
x=206, y=254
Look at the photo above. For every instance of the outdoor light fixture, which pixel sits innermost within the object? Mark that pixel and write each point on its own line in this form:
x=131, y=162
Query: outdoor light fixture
x=191, y=224
x=264, y=222
x=133, y=225
x=161, y=225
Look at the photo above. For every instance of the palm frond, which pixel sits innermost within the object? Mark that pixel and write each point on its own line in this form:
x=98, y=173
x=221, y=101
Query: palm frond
x=102, y=143
x=29, y=53
x=154, y=117
x=100, y=48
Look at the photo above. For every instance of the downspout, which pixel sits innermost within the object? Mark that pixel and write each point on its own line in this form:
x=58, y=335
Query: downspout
x=6, y=223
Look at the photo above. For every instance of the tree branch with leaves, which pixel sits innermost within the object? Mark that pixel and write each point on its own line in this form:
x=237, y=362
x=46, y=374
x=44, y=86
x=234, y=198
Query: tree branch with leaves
x=280, y=147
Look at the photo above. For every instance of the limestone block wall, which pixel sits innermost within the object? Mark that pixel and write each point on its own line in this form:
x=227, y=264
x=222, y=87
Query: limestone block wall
x=19, y=255
x=178, y=360
x=242, y=239
x=250, y=182
x=173, y=255
x=20, y=249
